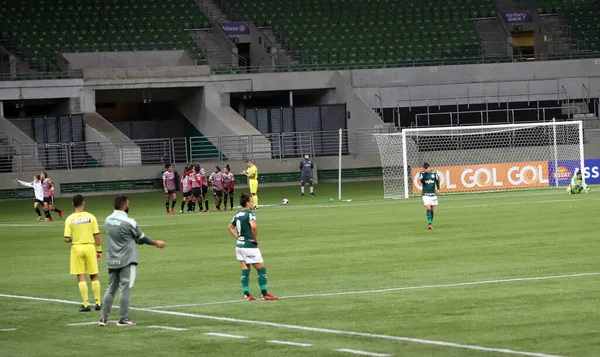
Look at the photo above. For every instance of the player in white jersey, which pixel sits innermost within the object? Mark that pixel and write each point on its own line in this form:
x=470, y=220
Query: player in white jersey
x=228, y=186
x=38, y=192
x=186, y=187
x=204, y=180
x=170, y=188
x=216, y=178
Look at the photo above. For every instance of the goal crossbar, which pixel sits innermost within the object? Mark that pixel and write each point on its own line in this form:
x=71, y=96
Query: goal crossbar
x=485, y=152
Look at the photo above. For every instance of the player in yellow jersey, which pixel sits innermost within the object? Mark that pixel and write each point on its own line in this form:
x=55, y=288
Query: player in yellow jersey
x=81, y=230
x=252, y=174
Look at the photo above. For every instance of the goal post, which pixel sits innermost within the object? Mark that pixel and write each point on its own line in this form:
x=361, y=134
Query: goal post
x=482, y=158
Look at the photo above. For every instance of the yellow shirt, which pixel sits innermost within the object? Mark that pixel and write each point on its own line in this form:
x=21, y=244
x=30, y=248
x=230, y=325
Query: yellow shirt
x=252, y=170
x=81, y=226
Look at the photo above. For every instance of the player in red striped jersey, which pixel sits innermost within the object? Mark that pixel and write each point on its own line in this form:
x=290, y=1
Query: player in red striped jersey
x=216, y=178
x=196, y=182
x=186, y=187
x=170, y=188
x=47, y=187
x=204, y=189
x=228, y=186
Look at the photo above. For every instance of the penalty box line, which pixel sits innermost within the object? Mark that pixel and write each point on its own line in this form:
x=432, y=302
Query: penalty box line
x=417, y=287
x=313, y=329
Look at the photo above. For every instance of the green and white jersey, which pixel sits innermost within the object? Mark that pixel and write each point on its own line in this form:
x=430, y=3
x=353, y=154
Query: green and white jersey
x=430, y=180
x=241, y=221
x=122, y=234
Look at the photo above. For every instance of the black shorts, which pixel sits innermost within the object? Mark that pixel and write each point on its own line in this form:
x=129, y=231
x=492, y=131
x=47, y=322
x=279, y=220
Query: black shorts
x=204, y=190
x=217, y=193
x=38, y=201
x=49, y=200
x=197, y=192
x=186, y=194
x=170, y=192
x=230, y=193
x=306, y=178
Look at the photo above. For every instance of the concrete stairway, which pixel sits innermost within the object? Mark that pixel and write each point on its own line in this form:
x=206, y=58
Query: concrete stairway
x=211, y=11
x=283, y=57
x=560, y=43
x=215, y=55
x=492, y=37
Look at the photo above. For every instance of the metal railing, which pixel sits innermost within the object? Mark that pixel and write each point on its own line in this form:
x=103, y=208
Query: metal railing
x=76, y=155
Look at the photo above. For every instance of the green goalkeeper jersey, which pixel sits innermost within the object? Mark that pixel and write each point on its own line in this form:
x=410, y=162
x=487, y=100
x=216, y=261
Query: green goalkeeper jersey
x=430, y=181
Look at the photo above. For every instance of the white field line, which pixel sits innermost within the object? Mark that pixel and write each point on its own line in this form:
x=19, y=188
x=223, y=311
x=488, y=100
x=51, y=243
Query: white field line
x=320, y=214
x=313, y=329
x=83, y=323
x=225, y=335
x=289, y=343
x=417, y=287
x=362, y=353
x=169, y=328
x=7, y=329
x=448, y=198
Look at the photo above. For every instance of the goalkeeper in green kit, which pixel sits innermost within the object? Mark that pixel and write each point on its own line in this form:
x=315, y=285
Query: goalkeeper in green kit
x=577, y=184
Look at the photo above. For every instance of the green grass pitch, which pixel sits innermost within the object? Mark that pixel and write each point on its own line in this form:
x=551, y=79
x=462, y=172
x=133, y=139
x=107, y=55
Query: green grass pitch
x=406, y=288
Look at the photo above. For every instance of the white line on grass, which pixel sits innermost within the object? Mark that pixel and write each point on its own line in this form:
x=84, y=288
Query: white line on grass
x=363, y=353
x=169, y=328
x=83, y=323
x=311, y=329
x=225, y=335
x=417, y=287
x=7, y=329
x=289, y=343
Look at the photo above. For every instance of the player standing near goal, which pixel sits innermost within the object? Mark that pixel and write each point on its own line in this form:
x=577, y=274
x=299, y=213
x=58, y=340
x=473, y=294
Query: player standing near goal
x=47, y=184
x=122, y=235
x=170, y=188
x=243, y=228
x=38, y=192
x=306, y=168
x=81, y=230
x=430, y=182
x=252, y=174
x=228, y=186
x=577, y=184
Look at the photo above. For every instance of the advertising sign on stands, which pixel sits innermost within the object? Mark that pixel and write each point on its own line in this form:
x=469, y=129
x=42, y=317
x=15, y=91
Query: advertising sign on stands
x=236, y=28
x=517, y=16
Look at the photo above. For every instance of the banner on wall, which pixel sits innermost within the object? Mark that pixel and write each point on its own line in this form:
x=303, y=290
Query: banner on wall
x=488, y=177
x=517, y=16
x=236, y=28
x=566, y=168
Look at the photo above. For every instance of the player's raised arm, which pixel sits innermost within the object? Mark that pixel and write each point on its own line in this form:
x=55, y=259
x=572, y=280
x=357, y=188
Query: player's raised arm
x=26, y=184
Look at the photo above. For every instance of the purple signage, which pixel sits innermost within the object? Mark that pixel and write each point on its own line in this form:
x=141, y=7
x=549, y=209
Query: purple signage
x=236, y=28
x=517, y=16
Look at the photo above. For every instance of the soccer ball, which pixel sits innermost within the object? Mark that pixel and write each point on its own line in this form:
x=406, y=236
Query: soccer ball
x=285, y=201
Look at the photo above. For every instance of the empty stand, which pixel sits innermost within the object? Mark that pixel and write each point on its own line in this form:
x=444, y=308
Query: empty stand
x=582, y=17
x=369, y=31
x=39, y=29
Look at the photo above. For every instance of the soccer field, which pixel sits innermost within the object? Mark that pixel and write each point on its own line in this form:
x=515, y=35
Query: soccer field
x=512, y=273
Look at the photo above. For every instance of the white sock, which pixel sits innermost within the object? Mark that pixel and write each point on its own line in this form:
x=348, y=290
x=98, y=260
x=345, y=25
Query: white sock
x=311, y=189
x=302, y=189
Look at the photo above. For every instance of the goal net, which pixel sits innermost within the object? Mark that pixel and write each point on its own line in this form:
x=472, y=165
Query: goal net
x=482, y=158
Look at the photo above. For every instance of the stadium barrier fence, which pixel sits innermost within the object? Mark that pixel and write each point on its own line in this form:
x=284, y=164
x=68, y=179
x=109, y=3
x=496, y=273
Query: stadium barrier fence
x=77, y=155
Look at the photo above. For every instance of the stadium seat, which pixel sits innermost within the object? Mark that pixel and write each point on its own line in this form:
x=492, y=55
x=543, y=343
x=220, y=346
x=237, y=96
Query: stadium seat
x=582, y=17
x=367, y=31
x=40, y=29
